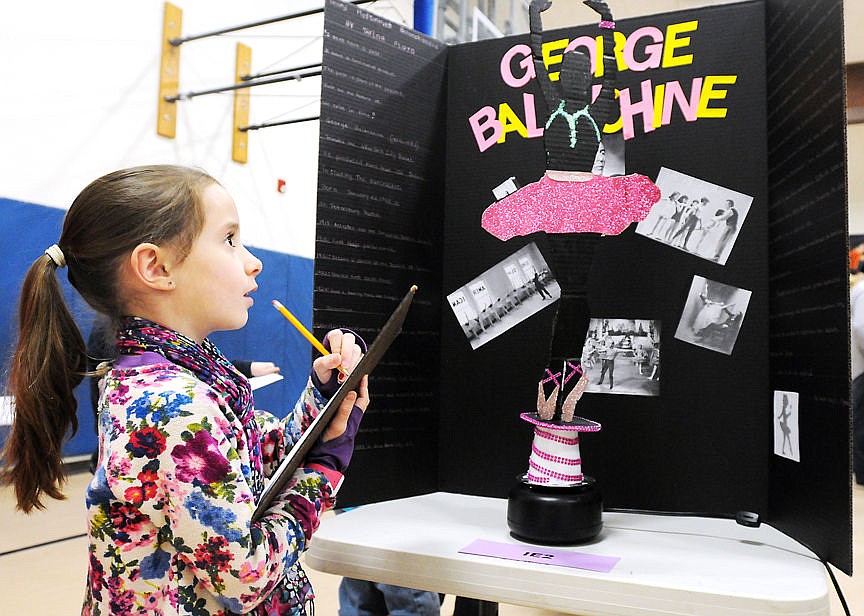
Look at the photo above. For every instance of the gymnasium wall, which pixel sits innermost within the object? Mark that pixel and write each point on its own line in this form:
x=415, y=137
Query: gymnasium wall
x=80, y=100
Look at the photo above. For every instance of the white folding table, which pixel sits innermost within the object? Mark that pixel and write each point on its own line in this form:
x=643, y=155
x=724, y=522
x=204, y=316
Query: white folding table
x=668, y=564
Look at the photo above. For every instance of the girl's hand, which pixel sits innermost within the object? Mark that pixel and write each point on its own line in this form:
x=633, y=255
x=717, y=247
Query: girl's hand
x=344, y=352
x=339, y=423
x=262, y=368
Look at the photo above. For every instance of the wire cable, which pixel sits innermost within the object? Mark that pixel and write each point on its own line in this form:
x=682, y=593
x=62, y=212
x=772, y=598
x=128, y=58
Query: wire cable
x=315, y=38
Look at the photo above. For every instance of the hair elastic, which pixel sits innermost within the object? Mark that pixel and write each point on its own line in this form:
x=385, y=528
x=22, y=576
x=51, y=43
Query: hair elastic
x=56, y=255
x=609, y=25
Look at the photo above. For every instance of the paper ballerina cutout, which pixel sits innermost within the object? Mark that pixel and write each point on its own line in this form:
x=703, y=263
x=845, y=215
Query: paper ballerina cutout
x=569, y=198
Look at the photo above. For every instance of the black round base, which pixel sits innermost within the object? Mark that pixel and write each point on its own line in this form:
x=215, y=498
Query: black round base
x=553, y=515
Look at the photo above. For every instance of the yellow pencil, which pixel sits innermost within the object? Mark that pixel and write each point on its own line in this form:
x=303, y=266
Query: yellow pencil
x=306, y=333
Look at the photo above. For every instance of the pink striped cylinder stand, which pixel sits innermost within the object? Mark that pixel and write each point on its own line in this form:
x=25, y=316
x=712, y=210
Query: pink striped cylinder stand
x=555, y=459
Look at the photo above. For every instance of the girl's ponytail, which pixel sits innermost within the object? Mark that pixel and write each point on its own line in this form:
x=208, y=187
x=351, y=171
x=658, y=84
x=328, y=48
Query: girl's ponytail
x=106, y=221
x=48, y=363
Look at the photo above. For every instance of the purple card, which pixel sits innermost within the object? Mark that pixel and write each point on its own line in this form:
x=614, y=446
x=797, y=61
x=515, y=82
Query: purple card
x=541, y=555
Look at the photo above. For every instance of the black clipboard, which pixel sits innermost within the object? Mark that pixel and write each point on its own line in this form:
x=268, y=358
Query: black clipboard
x=301, y=448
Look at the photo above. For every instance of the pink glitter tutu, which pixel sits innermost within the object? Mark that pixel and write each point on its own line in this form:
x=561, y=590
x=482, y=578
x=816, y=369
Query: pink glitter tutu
x=600, y=204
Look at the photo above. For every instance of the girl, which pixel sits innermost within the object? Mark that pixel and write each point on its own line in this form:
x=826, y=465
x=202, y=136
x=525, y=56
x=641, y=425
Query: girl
x=182, y=453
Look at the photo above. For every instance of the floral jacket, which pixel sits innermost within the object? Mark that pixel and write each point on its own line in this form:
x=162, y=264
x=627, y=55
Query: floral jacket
x=169, y=508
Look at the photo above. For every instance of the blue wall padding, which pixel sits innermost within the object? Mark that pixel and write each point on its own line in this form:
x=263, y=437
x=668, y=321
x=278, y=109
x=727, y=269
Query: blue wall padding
x=28, y=229
x=424, y=16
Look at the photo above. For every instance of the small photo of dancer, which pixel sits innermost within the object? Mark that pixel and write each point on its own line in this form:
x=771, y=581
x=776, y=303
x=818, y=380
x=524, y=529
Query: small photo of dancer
x=712, y=315
x=786, y=425
x=695, y=216
x=622, y=356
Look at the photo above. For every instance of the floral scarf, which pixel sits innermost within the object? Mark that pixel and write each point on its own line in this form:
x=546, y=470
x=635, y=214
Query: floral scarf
x=136, y=336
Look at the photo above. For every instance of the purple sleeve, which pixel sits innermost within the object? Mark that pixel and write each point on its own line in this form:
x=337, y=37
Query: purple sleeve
x=336, y=453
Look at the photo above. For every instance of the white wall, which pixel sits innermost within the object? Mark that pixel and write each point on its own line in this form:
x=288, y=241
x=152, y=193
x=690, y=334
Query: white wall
x=80, y=94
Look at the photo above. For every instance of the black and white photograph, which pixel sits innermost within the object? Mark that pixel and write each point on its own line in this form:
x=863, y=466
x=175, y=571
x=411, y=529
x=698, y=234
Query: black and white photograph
x=712, y=315
x=786, y=425
x=504, y=295
x=695, y=216
x=622, y=356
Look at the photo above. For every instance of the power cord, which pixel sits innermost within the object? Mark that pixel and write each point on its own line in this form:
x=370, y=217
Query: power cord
x=744, y=518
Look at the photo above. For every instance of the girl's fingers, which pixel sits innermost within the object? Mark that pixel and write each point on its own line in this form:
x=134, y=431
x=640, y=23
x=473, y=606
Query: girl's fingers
x=363, y=398
x=334, y=339
x=337, y=425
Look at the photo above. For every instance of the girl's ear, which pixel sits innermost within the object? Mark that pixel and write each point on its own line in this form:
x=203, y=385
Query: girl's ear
x=149, y=266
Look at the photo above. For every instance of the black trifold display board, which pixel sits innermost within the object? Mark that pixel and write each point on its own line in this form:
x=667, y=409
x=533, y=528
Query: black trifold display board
x=415, y=135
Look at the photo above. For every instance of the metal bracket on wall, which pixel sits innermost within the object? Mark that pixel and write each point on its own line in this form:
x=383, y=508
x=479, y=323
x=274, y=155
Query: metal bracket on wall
x=169, y=72
x=169, y=78
x=240, y=138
